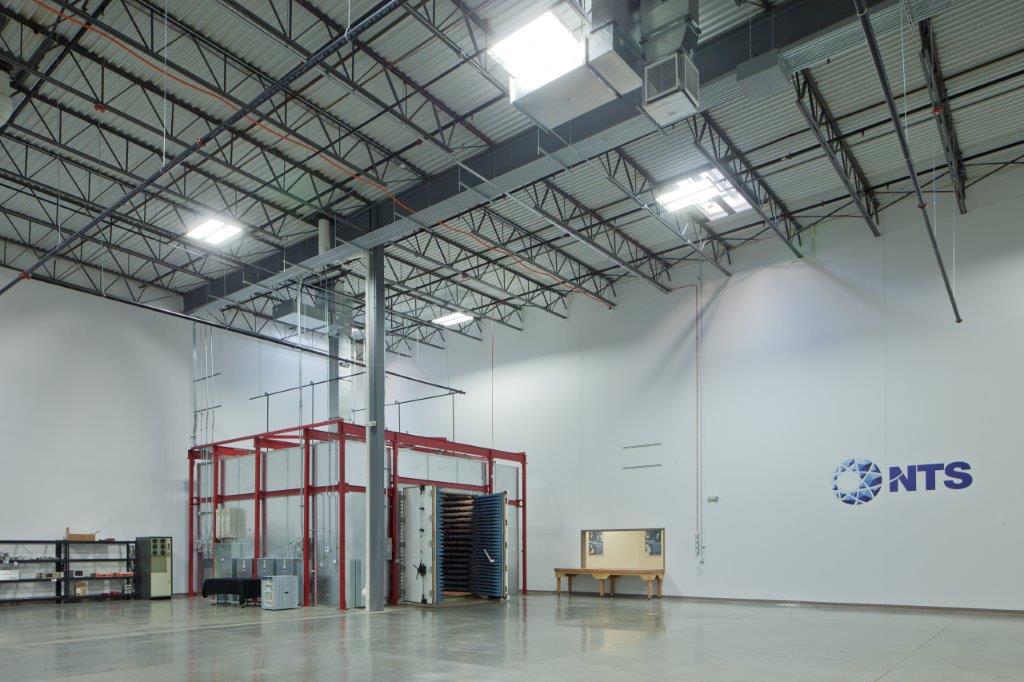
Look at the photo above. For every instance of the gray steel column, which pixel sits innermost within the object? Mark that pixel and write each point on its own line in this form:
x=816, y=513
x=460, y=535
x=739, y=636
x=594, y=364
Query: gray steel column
x=323, y=228
x=376, y=455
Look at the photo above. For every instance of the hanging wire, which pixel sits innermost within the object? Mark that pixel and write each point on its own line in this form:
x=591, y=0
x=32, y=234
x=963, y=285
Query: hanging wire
x=163, y=117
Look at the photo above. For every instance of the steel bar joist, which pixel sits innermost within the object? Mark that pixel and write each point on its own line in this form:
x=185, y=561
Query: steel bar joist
x=409, y=97
x=427, y=14
x=256, y=316
x=250, y=109
x=943, y=114
x=234, y=80
x=721, y=153
x=46, y=45
x=830, y=138
x=107, y=95
x=922, y=205
x=69, y=196
x=516, y=160
x=566, y=213
x=124, y=157
x=36, y=171
x=118, y=277
x=451, y=260
x=423, y=122
x=447, y=293
x=627, y=175
x=154, y=228
x=540, y=255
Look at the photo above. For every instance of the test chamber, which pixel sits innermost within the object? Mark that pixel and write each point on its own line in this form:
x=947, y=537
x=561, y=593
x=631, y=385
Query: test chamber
x=453, y=544
x=303, y=488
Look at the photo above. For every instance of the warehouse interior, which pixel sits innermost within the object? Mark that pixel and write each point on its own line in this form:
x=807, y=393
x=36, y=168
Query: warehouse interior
x=295, y=293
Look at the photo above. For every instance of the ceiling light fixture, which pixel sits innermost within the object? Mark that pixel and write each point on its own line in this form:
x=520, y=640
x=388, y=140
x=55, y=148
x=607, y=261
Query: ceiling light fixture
x=708, y=191
x=452, y=319
x=213, y=231
x=539, y=52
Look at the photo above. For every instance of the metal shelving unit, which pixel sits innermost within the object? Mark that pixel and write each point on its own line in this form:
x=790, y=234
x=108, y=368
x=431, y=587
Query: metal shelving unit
x=127, y=558
x=56, y=562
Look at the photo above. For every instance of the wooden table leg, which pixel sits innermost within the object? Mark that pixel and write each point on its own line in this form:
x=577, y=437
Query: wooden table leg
x=648, y=580
x=611, y=581
x=601, y=582
x=570, y=577
x=661, y=585
x=558, y=584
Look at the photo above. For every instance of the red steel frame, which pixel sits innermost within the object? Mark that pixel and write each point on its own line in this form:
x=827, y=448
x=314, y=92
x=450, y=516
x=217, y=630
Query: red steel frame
x=340, y=431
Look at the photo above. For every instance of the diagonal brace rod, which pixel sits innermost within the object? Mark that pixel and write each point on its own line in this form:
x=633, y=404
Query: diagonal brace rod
x=883, y=79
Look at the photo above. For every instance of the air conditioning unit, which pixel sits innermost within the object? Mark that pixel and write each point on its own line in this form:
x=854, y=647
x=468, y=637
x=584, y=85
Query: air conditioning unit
x=671, y=88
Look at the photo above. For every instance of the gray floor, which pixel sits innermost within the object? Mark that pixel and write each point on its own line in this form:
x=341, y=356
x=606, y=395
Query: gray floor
x=538, y=637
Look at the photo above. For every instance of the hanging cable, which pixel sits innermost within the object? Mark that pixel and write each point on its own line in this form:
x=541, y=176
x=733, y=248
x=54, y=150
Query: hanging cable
x=163, y=117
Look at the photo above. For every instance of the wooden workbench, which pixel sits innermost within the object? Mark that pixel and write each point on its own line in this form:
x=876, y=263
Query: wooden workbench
x=650, y=576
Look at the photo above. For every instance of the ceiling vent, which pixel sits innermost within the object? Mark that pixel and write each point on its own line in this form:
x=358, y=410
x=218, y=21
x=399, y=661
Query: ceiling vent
x=671, y=88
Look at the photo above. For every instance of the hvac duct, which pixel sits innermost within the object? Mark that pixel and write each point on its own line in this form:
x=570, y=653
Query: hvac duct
x=594, y=58
x=669, y=30
x=667, y=27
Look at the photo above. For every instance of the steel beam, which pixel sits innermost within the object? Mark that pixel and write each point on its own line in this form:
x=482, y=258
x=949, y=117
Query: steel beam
x=37, y=59
x=182, y=124
x=234, y=74
x=248, y=110
x=883, y=80
x=943, y=113
x=712, y=142
x=376, y=455
x=805, y=31
x=632, y=180
x=826, y=130
x=539, y=253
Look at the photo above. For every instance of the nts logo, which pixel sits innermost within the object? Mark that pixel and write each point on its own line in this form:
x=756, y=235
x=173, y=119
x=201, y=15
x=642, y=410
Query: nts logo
x=858, y=481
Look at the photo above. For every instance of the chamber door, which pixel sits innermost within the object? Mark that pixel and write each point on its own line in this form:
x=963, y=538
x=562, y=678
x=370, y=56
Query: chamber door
x=419, y=545
x=489, y=555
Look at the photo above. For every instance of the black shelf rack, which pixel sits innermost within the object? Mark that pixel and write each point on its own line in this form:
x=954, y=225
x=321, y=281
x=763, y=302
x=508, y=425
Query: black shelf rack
x=63, y=564
x=56, y=564
x=126, y=557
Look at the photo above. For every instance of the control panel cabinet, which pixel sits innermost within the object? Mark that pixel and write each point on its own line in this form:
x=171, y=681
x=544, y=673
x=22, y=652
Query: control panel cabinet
x=154, y=558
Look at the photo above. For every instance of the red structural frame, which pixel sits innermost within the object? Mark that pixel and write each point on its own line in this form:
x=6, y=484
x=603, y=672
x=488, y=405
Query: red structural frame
x=261, y=445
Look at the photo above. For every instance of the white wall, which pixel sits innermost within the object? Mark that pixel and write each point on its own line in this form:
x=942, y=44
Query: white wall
x=852, y=352
x=94, y=417
x=849, y=353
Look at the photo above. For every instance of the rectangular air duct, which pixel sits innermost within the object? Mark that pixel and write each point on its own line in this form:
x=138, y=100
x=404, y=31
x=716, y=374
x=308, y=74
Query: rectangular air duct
x=609, y=71
x=562, y=64
x=763, y=76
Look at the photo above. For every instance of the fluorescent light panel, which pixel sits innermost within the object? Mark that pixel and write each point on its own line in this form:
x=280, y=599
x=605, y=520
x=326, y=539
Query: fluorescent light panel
x=224, y=233
x=452, y=319
x=539, y=52
x=703, y=191
x=213, y=231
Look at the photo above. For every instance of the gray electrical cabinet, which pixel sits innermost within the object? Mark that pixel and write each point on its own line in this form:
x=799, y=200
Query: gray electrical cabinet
x=243, y=568
x=287, y=566
x=264, y=567
x=153, y=566
x=279, y=592
x=224, y=555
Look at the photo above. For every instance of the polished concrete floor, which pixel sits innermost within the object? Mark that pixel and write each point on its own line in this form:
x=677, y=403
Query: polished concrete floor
x=537, y=637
